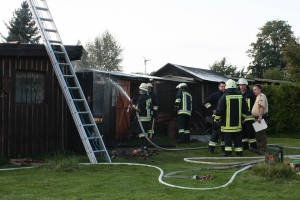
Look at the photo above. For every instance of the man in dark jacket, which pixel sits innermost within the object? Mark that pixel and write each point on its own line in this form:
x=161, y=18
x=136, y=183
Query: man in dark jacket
x=183, y=107
x=248, y=132
x=212, y=102
x=154, y=110
x=231, y=111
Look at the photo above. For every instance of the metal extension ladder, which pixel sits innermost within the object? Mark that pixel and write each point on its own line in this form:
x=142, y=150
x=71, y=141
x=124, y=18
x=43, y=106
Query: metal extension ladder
x=68, y=81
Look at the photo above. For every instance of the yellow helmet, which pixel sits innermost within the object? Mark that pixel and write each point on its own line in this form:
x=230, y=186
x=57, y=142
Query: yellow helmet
x=144, y=86
x=230, y=84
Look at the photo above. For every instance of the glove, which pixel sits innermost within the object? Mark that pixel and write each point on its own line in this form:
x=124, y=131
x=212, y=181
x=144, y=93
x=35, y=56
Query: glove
x=175, y=109
x=154, y=114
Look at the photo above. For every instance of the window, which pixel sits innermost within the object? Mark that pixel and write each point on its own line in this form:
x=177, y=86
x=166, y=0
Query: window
x=30, y=87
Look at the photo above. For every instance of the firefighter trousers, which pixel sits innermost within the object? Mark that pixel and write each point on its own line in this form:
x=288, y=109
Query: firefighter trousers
x=183, y=125
x=236, y=138
x=216, y=134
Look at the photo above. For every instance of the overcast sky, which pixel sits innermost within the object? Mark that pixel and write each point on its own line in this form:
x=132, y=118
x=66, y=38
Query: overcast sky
x=193, y=33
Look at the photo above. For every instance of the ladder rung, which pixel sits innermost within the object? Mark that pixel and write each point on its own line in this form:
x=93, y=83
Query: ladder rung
x=64, y=64
x=83, y=112
x=78, y=100
x=88, y=125
x=98, y=151
x=69, y=76
x=93, y=137
x=46, y=19
x=58, y=52
x=55, y=41
x=41, y=8
x=74, y=88
x=50, y=30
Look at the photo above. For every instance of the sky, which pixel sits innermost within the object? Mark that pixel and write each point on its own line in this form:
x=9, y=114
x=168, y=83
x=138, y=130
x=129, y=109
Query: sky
x=193, y=33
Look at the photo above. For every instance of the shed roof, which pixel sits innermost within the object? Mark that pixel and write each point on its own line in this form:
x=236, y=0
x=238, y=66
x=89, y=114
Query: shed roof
x=138, y=77
x=199, y=74
x=37, y=50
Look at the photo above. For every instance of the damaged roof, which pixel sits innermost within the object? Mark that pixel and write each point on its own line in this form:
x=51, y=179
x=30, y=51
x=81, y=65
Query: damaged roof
x=197, y=73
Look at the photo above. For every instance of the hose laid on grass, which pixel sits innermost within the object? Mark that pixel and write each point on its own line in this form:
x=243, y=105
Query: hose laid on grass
x=146, y=136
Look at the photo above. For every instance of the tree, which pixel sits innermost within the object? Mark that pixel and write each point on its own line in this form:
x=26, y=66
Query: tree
x=82, y=63
x=22, y=26
x=104, y=53
x=291, y=56
x=267, y=51
x=273, y=74
x=226, y=69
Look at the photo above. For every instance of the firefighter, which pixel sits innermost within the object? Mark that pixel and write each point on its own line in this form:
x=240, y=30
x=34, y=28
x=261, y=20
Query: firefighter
x=212, y=102
x=144, y=109
x=231, y=111
x=183, y=108
x=260, y=111
x=248, y=132
x=154, y=110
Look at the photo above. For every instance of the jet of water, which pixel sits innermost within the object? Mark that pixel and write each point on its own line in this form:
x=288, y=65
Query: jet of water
x=120, y=89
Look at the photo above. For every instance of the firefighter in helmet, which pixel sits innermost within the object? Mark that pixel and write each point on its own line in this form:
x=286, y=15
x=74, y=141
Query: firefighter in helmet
x=144, y=109
x=231, y=111
x=248, y=132
x=154, y=110
x=183, y=108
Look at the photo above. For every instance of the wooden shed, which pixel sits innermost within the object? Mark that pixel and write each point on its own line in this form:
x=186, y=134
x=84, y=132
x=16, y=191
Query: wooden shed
x=204, y=82
x=34, y=115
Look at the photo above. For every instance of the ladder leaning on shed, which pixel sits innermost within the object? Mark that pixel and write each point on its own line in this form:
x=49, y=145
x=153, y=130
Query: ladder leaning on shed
x=68, y=81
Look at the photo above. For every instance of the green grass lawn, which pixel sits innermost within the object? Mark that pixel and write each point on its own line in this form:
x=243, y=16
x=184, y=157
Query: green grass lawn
x=123, y=181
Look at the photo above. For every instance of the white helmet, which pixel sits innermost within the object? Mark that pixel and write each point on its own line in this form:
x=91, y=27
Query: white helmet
x=242, y=81
x=230, y=84
x=149, y=85
x=181, y=85
x=144, y=86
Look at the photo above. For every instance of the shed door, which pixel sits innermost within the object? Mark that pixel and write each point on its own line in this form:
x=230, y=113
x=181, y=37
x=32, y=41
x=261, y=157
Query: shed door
x=122, y=117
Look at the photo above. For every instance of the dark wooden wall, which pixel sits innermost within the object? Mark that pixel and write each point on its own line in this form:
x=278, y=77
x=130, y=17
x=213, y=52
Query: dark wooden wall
x=33, y=128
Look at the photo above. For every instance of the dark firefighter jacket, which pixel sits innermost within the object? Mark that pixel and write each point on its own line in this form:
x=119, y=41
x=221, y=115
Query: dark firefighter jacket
x=183, y=102
x=144, y=107
x=231, y=110
x=213, y=99
x=154, y=103
x=250, y=98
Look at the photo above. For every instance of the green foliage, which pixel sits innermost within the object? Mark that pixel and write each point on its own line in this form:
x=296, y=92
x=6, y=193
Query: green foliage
x=291, y=56
x=3, y=161
x=22, y=26
x=273, y=74
x=224, y=68
x=284, y=106
x=266, y=52
x=274, y=171
x=104, y=53
x=61, y=163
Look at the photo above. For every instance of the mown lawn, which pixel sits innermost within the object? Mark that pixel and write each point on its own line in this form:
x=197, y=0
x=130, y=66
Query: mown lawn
x=123, y=181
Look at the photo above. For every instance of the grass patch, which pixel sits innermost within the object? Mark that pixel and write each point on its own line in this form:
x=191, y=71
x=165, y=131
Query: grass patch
x=274, y=171
x=61, y=163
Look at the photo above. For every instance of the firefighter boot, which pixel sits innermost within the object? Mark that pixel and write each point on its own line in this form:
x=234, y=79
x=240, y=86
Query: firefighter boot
x=143, y=143
x=245, y=145
x=181, y=138
x=211, y=149
x=187, y=138
x=222, y=150
x=239, y=154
